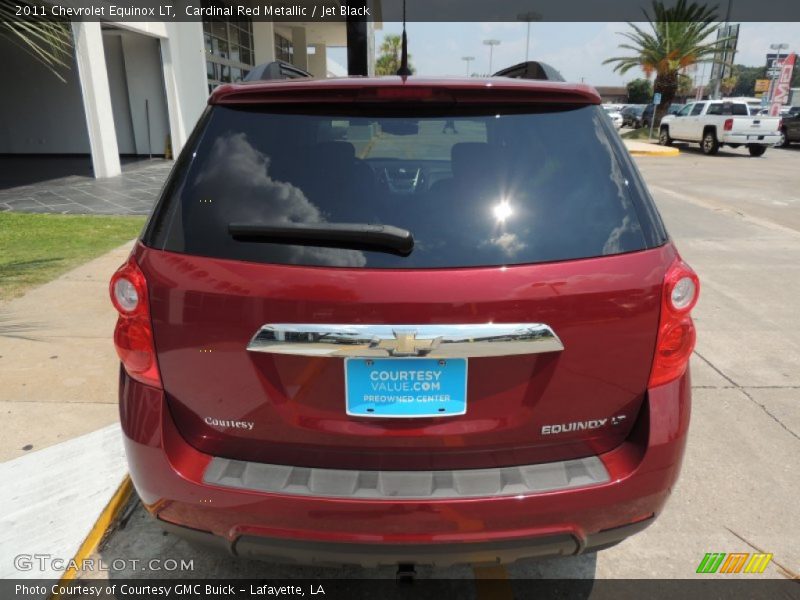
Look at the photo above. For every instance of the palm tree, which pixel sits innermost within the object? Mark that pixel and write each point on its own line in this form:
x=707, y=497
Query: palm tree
x=389, y=60
x=678, y=39
x=48, y=42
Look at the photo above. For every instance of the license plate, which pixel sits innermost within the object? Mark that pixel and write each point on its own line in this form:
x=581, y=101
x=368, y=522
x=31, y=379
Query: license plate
x=405, y=387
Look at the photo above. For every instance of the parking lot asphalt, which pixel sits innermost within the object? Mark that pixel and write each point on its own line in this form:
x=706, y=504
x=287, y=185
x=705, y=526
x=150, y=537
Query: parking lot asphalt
x=736, y=220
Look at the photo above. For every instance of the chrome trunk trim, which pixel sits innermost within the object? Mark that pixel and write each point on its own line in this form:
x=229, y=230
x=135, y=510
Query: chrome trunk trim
x=432, y=341
x=406, y=485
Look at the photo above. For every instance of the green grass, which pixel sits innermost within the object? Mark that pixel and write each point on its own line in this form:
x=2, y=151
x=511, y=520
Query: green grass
x=640, y=134
x=37, y=248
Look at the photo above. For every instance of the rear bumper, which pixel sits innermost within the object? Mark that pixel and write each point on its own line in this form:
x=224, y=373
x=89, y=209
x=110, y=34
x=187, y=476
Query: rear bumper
x=169, y=476
x=765, y=139
x=305, y=552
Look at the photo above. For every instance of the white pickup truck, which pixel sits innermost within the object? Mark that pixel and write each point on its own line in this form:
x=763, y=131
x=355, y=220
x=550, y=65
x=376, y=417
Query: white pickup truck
x=714, y=123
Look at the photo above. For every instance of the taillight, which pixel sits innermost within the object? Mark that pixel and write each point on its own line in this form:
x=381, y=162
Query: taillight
x=676, y=333
x=133, y=336
x=728, y=124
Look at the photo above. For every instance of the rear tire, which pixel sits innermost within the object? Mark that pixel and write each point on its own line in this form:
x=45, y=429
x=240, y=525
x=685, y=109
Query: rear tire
x=663, y=137
x=784, y=143
x=756, y=149
x=710, y=144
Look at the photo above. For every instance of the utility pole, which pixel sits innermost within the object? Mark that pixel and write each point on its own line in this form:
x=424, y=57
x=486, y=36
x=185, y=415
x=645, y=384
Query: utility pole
x=528, y=17
x=491, y=44
x=467, y=59
x=721, y=70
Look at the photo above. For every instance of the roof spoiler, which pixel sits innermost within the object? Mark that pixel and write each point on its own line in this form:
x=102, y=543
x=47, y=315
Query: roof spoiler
x=531, y=70
x=278, y=69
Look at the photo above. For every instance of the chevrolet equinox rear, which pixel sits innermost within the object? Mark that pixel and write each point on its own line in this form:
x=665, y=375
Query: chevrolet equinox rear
x=389, y=321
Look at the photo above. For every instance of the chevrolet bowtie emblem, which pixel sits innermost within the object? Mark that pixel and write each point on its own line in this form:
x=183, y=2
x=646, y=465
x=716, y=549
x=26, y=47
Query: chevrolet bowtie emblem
x=405, y=343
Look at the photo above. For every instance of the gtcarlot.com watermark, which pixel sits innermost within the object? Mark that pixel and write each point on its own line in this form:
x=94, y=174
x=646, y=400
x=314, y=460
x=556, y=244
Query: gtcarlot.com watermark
x=48, y=562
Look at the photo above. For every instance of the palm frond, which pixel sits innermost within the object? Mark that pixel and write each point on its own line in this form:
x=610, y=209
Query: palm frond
x=674, y=38
x=47, y=42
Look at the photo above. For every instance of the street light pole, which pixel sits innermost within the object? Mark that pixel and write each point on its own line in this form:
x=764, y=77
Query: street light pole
x=467, y=59
x=491, y=44
x=528, y=17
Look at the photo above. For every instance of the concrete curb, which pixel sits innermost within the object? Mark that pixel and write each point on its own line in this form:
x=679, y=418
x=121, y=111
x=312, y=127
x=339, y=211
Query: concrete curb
x=57, y=497
x=109, y=515
x=669, y=153
x=636, y=148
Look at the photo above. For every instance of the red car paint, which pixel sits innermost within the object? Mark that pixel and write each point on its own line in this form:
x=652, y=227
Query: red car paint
x=168, y=471
x=611, y=313
x=605, y=311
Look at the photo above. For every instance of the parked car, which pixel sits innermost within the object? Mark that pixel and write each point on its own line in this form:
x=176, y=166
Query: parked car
x=647, y=114
x=615, y=116
x=790, y=127
x=420, y=349
x=631, y=115
x=716, y=123
x=675, y=108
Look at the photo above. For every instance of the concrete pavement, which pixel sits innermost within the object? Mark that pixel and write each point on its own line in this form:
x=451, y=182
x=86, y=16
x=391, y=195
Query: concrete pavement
x=57, y=359
x=132, y=193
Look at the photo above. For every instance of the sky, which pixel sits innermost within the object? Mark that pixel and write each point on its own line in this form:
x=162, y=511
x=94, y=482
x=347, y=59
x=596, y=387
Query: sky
x=575, y=49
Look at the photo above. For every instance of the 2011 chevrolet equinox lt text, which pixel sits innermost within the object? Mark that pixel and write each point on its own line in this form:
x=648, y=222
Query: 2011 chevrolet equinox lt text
x=388, y=321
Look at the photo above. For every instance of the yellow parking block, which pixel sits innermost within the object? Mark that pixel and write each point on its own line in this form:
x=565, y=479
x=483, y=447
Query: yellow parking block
x=110, y=514
x=646, y=149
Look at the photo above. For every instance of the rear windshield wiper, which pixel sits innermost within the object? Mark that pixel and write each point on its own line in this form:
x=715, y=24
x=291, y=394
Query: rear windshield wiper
x=354, y=236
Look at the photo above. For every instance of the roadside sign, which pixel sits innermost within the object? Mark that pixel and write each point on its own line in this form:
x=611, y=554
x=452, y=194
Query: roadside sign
x=657, y=98
x=762, y=85
x=774, y=64
x=780, y=94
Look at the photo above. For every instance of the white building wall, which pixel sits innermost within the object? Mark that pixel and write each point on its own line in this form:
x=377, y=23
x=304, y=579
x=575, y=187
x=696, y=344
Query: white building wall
x=118, y=87
x=184, y=63
x=99, y=116
x=146, y=93
x=182, y=75
x=318, y=61
x=263, y=42
x=167, y=67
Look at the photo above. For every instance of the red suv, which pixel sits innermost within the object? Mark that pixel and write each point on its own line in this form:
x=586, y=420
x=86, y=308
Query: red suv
x=390, y=321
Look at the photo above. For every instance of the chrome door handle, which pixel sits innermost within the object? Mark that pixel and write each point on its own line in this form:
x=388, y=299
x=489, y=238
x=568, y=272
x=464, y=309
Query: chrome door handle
x=433, y=341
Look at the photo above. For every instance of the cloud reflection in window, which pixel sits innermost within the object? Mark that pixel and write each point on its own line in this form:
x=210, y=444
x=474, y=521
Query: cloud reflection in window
x=235, y=169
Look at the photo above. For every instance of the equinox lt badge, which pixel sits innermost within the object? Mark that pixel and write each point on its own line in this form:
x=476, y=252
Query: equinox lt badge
x=579, y=425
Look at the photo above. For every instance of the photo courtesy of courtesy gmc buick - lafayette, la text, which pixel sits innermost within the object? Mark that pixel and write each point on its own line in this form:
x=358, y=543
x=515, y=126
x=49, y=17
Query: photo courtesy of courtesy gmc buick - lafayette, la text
x=394, y=320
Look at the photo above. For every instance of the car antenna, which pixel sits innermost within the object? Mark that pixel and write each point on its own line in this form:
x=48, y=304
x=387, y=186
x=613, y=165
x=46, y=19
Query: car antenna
x=404, y=71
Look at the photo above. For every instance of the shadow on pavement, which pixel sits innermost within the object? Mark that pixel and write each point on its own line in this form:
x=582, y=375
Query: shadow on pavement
x=141, y=539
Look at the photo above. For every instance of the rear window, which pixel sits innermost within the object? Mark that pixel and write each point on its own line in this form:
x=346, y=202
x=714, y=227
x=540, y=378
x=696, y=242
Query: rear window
x=490, y=187
x=728, y=108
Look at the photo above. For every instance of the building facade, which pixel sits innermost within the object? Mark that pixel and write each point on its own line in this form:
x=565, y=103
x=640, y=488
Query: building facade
x=137, y=89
